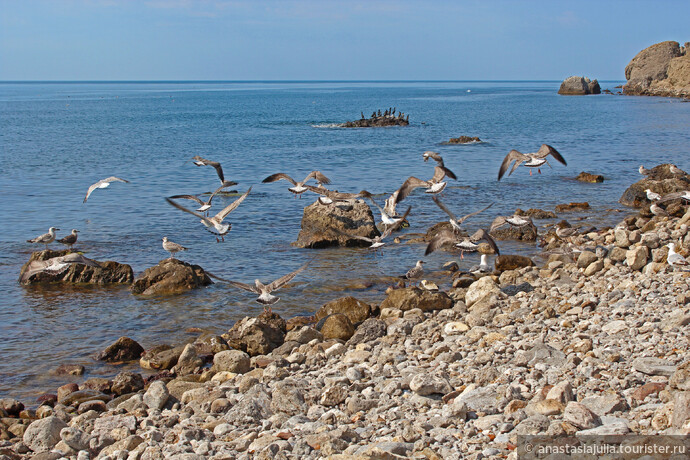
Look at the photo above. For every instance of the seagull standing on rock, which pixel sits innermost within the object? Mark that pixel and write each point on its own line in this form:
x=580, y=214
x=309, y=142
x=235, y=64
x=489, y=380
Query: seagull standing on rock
x=644, y=171
x=70, y=239
x=415, y=272
x=652, y=196
x=172, y=247
x=674, y=259
x=46, y=238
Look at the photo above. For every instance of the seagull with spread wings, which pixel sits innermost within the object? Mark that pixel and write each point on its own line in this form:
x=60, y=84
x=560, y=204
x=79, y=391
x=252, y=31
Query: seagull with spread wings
x=298, y=187
x=55, y=265
x=204, y=162
x=204, y=206
x=214, y=224
x=454, y=221
x=465, y=244
x=327, y=197
x=531, y=160
x=377, y=241
x=264, y=290
x=513, y=221
x=435, y=185
x=103, y=183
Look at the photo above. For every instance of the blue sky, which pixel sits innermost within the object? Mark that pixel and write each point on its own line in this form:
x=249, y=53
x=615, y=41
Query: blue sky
x=330, y=40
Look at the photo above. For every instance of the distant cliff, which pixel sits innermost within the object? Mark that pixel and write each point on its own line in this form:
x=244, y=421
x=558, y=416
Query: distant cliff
x=660, y=70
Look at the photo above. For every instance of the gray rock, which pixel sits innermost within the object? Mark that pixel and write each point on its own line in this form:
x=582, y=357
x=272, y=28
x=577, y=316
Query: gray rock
x=231, y=361
x=586, y=258
x=637, y=257
x=580, y=416
x=304, y=334
x=43, y=434
x=425, y=384
x=653, y=366
x=75, y=438
x=288, y=397
x=188, y=361
x=605, y=404
x=371, y=329
x=156, y=395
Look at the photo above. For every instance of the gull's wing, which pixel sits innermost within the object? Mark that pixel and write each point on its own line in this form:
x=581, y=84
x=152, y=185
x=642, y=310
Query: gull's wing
x=246, y=287
x=546, y=150
x=396, y=225
x=91, y=189
x=440, y=172
x=225, y=184
x=318, y=175
x=182, y=208
x=441, y=238
x=278, y=176
x=389, y=204
x=671, y=196
x=498, y=222
x=187, y=197
x=350, y=235
x=371, y=198
x=513, y=155
x=232, y=206
x=283, y=280
x=482, y=234
x=114, y=179
x=464, y=218
x=410, y=184
x=444, y=208
x=215, y=164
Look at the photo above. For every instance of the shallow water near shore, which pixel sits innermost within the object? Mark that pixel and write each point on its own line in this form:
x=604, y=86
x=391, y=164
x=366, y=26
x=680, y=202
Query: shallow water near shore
x=57, y=139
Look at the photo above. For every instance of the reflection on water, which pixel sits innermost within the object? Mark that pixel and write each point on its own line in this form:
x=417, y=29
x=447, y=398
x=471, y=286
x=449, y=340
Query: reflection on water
x=136, y=132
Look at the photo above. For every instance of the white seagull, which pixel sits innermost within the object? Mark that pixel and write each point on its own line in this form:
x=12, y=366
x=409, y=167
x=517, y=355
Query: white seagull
x=172, y=247
x=46, y=238
x=483, y=266
x=103, y=183
x=465, y=244
x=674, y=259
x=56, y=265
x=652, y=196
x=204, y=162
x=531, y=160
x=644, y=171
x=215, y=223
x=299, y=187
x=205, y=205
x=435, y=185
x=454, y=221
x=264, y=290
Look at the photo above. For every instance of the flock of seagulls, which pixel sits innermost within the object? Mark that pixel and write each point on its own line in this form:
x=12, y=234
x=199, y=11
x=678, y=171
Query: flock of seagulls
x=391, y=221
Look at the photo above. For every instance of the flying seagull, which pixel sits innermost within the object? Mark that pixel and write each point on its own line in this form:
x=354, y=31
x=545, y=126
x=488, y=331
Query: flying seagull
x=215, y=223
x=435, y=185
x=454, y=221
x=531, y=160
x=70, y=239
x=377, y=241
x=46, y=238
x=513, y=221
x=104, y=183
x=56, y=265
x=465, y=244
x=264, y=290
x=204, y=162
x=299, y=187
x=172, y=247
x=327, y=197
x=386, y=219
x=434, y=156
x=204, y=205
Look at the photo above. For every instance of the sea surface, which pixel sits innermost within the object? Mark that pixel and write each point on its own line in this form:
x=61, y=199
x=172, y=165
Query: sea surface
x=56, y=139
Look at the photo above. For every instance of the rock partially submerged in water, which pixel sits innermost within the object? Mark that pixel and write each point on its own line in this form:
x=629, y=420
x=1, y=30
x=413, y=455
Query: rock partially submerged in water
x=108, y=272
x=579, y=86
x=509, y=232
x=589, y=177
x=356, y=310
x=170, y=276
x=536, y=213
x=329, y=225
x=662, y=69
x=572, y=207
x=378, y=120
x=660, y=180
x=464, y=140
x=124, y=349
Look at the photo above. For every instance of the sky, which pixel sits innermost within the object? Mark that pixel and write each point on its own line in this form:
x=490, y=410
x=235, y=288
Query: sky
x=330, y=40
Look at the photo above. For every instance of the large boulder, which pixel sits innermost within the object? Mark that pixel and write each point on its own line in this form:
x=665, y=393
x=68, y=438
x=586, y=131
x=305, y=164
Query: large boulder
x=43, y=434
x=662, y=69
x=170, y=276
x=329, y=225
x=661, y=180
x=356, y=310
x=257, y=336
x=109, y=272
x=124, y=349
x=512, y=262
x=579, y=86
x=510, y=232
x=412, y=297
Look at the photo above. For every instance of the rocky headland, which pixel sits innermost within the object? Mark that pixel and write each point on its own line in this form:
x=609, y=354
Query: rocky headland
x=662, y=69
x=591, y=341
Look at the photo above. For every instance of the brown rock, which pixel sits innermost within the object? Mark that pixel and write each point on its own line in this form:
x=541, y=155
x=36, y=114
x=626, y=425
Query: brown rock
x=463, y=140
x=336, y=326
x=412, y=297
x=124, y=349
x=662, y=69
x=579, y=86
x=160, y=357
x=66, y=390
x=108, y=273
x=98, y=383
x=11, y=406
x=70, y=369
x=127, y=382
x=506, y=262
x=322, y=225
x=356, y=310
x=509, y=232
x=589, y=177
x=299, y=321
x=257, y=336
x=572, y=207
x=170, y=276
x=536, y=213
x=660, y=181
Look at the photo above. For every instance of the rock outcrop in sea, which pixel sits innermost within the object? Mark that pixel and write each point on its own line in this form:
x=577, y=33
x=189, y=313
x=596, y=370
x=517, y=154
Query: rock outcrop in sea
x=108, y=273
x=330, y=225
x=463, y=140
x=579, y=86
x=661, y=180
x=379, y=120
x=662, y=69
x=170, y=276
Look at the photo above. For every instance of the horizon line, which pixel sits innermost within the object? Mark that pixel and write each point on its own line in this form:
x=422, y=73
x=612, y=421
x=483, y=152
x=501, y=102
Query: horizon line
x=283, y=81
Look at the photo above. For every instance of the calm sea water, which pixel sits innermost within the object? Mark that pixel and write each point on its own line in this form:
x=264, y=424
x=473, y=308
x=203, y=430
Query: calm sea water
x=57, y=139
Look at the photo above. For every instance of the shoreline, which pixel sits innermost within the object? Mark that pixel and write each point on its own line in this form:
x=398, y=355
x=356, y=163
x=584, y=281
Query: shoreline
x=591, y=345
